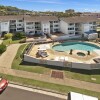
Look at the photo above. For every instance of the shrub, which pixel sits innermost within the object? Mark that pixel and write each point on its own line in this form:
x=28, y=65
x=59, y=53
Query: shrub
x=2, y=48
x=8, y=36
x=22, y=40
x=20, y=35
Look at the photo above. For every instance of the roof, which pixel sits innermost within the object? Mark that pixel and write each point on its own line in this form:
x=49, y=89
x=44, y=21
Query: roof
x=41, y=18
x=91, y=32
x=28, y=18
x=11, y=17
x=78, y=96
x=79, y=19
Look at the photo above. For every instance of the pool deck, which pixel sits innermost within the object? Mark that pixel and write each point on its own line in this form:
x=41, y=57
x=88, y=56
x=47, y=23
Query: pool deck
x=52, y=54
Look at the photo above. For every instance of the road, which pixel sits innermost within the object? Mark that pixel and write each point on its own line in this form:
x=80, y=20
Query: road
x=19, y=94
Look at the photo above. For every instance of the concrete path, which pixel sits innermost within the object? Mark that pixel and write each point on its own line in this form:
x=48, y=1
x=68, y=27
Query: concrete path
x=0, y=41
x=47, y=78
x=7, y=57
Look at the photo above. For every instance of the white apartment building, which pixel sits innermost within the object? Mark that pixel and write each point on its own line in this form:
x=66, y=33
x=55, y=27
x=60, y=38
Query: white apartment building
x=29, y=24
x=77, y=25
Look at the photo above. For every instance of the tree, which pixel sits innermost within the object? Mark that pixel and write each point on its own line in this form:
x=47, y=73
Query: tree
x=2, y=48
x=20, y=35
x=8, y=36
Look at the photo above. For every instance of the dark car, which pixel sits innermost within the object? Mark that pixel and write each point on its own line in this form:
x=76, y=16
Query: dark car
x=3, y=84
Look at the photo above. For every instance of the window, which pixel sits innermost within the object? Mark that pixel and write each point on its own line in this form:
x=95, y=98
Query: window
x=56, y=30
x=19, y=28
x=55, y=21
x=29, y=23
x=29, y=27
x=70, y=28
x=70, y=33
x=71, y=24
x=56, y=25
x=12, y=21
x=20, y=20
x=19, y=25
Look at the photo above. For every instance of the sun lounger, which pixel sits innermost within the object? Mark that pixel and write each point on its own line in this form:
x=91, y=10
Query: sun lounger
x=97, y=60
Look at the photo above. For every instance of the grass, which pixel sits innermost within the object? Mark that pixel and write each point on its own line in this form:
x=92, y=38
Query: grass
x=50, y=86
x=83, y=77
x=18, y=64
x=45, y=69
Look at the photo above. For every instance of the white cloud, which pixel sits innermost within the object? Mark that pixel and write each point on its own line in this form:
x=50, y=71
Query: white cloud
x=43, y=1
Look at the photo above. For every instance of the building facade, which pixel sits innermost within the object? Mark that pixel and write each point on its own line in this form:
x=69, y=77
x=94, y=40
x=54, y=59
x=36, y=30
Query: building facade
x=77, y=25
x=30, y=25
x=47, y=24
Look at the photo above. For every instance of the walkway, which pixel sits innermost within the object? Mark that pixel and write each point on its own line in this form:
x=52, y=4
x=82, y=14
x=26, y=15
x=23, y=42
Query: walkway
x=7, y=57
x=47, y=78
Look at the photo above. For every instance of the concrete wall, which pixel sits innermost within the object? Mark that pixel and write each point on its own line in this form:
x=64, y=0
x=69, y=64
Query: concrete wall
x=4, y=26
x=73, y=65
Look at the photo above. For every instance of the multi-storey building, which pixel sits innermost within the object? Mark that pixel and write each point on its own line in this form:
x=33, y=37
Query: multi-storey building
x=30, y=25
x=77, y=25
x=47, y=24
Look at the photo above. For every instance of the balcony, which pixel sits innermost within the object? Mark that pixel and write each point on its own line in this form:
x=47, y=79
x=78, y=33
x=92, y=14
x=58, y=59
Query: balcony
x=77, y=29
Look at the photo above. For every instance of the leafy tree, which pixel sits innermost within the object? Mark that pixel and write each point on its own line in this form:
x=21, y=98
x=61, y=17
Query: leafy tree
x=8, y=36
x=19, y=35
x=2, y=48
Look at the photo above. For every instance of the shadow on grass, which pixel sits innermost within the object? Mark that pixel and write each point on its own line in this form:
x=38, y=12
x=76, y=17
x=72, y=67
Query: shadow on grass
x=81, y=71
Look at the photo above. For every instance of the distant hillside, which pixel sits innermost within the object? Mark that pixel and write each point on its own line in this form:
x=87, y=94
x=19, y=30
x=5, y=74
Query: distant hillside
x=9, y=10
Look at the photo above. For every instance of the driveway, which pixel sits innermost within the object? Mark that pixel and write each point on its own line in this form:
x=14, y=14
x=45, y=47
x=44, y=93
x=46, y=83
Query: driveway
x=7, y=57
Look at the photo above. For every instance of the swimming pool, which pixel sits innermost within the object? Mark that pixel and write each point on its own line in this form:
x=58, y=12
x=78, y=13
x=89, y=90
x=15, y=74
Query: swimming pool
x=75, y=46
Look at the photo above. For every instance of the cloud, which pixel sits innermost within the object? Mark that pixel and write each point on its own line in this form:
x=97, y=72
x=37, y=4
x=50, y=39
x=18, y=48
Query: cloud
x=43, y=1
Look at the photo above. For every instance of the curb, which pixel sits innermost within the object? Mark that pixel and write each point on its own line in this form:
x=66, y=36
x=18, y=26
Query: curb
x=38, y=88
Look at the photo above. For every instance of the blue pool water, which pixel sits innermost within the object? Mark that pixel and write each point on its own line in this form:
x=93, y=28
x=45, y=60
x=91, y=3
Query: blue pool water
x=75, y=46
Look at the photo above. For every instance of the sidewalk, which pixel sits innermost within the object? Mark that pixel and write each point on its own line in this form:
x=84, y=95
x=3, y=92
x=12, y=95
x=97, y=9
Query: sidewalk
x=47, y=78
x=7, y=57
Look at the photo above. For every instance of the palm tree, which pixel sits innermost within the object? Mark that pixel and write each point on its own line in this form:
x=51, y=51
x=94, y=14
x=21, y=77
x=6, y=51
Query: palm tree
x=71, y=51
x=88, y=52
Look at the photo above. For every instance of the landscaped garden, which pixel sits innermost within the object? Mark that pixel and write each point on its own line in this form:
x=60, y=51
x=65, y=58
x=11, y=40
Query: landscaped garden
x=10, y=38
x=19, y=64
x=45, y=69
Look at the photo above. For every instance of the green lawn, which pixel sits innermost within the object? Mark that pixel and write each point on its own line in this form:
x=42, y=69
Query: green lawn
x=83, y=77
x=43, y=69
x=50, y=86
x=18, y=64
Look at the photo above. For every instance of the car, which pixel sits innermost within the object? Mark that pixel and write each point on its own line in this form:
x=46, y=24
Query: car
x=3, y=84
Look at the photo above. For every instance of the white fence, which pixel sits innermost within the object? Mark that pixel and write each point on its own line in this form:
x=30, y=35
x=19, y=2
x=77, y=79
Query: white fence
x=65, y=37
x=73, y=65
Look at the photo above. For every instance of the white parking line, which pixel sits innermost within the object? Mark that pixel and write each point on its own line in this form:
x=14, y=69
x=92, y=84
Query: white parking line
x=39, y=91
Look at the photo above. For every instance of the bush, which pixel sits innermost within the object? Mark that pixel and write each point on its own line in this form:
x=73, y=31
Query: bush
x=19, y=35
x=22, y=40
x=2, y=48
x=8, y=36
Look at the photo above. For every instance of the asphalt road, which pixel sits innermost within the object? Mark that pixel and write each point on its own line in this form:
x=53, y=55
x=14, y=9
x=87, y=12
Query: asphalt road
x=19, y=94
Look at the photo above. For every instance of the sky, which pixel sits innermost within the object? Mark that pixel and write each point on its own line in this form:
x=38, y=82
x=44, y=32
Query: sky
x=54, y=5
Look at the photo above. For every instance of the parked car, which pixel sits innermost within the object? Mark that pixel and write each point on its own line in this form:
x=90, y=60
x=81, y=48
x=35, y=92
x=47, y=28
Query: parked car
x=3, y=84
